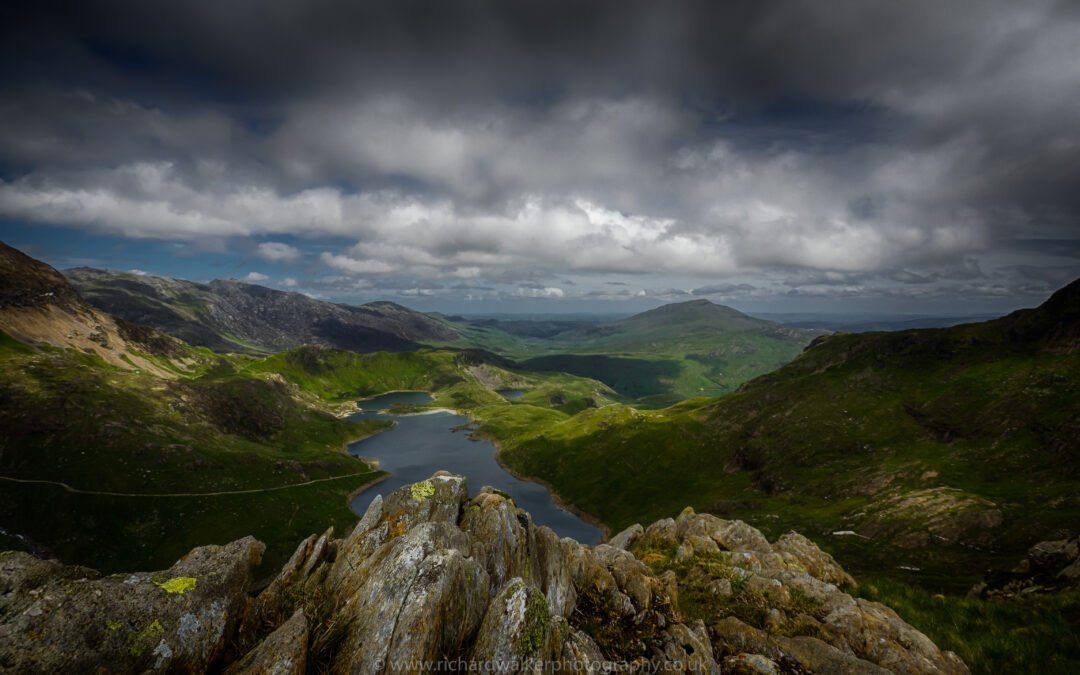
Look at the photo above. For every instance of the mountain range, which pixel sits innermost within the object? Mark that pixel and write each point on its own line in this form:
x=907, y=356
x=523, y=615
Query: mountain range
x=240, y=317
x=918, y=458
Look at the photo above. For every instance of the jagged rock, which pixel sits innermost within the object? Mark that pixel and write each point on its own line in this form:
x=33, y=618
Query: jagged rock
x=807, y=653
x=690, y=648
x=437, y=499
x=798, y=551
x=515, y=635
x=661, y=534
x=499, y=539
x=554, y=574
x=790, y=587
x=627, y=537
x=730, y=535
x=284, y=652
x=580, y=654
x=67, y=619
x=417, y=597
x=429, y=576
x=751, y=664
x=875, y=633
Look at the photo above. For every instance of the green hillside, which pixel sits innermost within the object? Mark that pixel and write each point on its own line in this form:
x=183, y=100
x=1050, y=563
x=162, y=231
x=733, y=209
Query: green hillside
x=942, y=450
x=658, y=357
x=103, y=431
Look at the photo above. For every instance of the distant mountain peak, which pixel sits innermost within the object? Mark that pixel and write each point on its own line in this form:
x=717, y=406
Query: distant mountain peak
x=691, y=310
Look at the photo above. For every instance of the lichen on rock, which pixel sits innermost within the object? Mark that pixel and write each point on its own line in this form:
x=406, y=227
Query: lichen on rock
x=430, y=579
x=422, y=490
x=178, y=585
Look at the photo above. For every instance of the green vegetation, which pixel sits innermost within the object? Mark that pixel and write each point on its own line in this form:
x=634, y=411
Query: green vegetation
x=948, y=450
x=1034, y=635
x=656, y=358
x=71, y=418
x=338, y=375
x=119, y=534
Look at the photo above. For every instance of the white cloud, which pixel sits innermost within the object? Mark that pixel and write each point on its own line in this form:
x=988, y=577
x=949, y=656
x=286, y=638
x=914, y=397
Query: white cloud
x=255, y=277
x=416, y=292
x=575, y=188
x=546, y=292
x=274, y=251
x=355, y=266
x=289, y=282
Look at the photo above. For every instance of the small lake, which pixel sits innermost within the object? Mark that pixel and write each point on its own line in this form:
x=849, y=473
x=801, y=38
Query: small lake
x=511, y=394
x=425, y=443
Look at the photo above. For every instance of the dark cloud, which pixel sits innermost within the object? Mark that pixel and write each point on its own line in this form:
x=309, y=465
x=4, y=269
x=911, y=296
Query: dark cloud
x=850, y=146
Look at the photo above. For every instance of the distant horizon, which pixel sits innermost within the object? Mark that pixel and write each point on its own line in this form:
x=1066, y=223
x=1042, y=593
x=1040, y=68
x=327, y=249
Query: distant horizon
x=610, y=310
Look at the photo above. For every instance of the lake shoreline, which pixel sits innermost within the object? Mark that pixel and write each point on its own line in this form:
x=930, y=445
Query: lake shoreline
x=558, y=500
x=553, y=496
x=363, y=488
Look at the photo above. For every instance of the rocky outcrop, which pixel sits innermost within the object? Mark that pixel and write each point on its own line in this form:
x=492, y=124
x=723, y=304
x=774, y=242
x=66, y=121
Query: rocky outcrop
x=1049, y=566
x=59, y=619
x=780, y=607
x=229, y=316
x=433, y=578
x=941, y=515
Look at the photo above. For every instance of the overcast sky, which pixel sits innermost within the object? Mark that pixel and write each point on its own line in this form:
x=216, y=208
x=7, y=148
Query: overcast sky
x=919, y=156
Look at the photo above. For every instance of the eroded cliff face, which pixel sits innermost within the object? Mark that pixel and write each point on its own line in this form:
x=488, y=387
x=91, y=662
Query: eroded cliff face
x=431, y=579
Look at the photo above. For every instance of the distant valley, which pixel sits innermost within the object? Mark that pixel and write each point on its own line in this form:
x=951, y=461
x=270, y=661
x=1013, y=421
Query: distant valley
x=153, y=415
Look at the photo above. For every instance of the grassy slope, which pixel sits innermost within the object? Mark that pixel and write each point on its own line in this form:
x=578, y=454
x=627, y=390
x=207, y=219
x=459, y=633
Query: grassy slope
x=69, y=417
x=456, y=380
x=1035, y=635
x=853, y=421
x=657, y=358
x=988, y=409
x=337, y=375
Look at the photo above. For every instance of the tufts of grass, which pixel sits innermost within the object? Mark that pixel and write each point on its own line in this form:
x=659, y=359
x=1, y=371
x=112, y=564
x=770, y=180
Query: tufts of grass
x=1038, y=634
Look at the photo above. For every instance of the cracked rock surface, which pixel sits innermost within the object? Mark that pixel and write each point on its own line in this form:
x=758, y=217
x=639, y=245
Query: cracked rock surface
x=431, y=575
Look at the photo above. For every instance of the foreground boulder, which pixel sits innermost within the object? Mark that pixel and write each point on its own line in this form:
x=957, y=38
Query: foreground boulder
x=59, y=619
x=431, y=578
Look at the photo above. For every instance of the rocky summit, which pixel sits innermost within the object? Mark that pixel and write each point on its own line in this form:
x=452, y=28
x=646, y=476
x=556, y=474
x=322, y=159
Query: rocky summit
x=433, y=579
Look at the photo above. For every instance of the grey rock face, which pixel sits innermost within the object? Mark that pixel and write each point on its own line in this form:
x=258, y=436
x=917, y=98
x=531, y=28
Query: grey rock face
x=283, y=652
x=430, y=578
x=59, y=619
x=805, y=621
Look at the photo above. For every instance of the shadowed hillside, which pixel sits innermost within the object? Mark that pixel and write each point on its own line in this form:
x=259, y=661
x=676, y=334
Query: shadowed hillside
x=229, y=316
x=940, y=450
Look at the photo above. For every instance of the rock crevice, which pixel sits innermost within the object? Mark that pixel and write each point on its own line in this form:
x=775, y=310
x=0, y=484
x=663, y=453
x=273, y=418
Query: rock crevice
x=431, y=578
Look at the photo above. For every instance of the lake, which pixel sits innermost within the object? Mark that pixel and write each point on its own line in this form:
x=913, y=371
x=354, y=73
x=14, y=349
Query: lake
x=425, y=443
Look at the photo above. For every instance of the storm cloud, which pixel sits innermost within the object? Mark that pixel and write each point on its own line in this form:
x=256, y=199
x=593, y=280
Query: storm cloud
x=754, y=148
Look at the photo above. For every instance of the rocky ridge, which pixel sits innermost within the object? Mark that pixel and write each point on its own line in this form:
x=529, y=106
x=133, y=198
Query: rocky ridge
x=230, y=315
x=431, y=578
x=39, y=306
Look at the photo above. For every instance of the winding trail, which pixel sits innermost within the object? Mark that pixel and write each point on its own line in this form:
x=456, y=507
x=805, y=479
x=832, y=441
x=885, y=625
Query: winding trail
x=223, y=493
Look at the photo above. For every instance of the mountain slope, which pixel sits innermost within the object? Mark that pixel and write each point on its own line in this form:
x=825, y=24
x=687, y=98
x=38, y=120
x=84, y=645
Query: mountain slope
x=133, y=438
x=675, y=351
x=235, y=316
x=39, y=306
x=948, y=449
